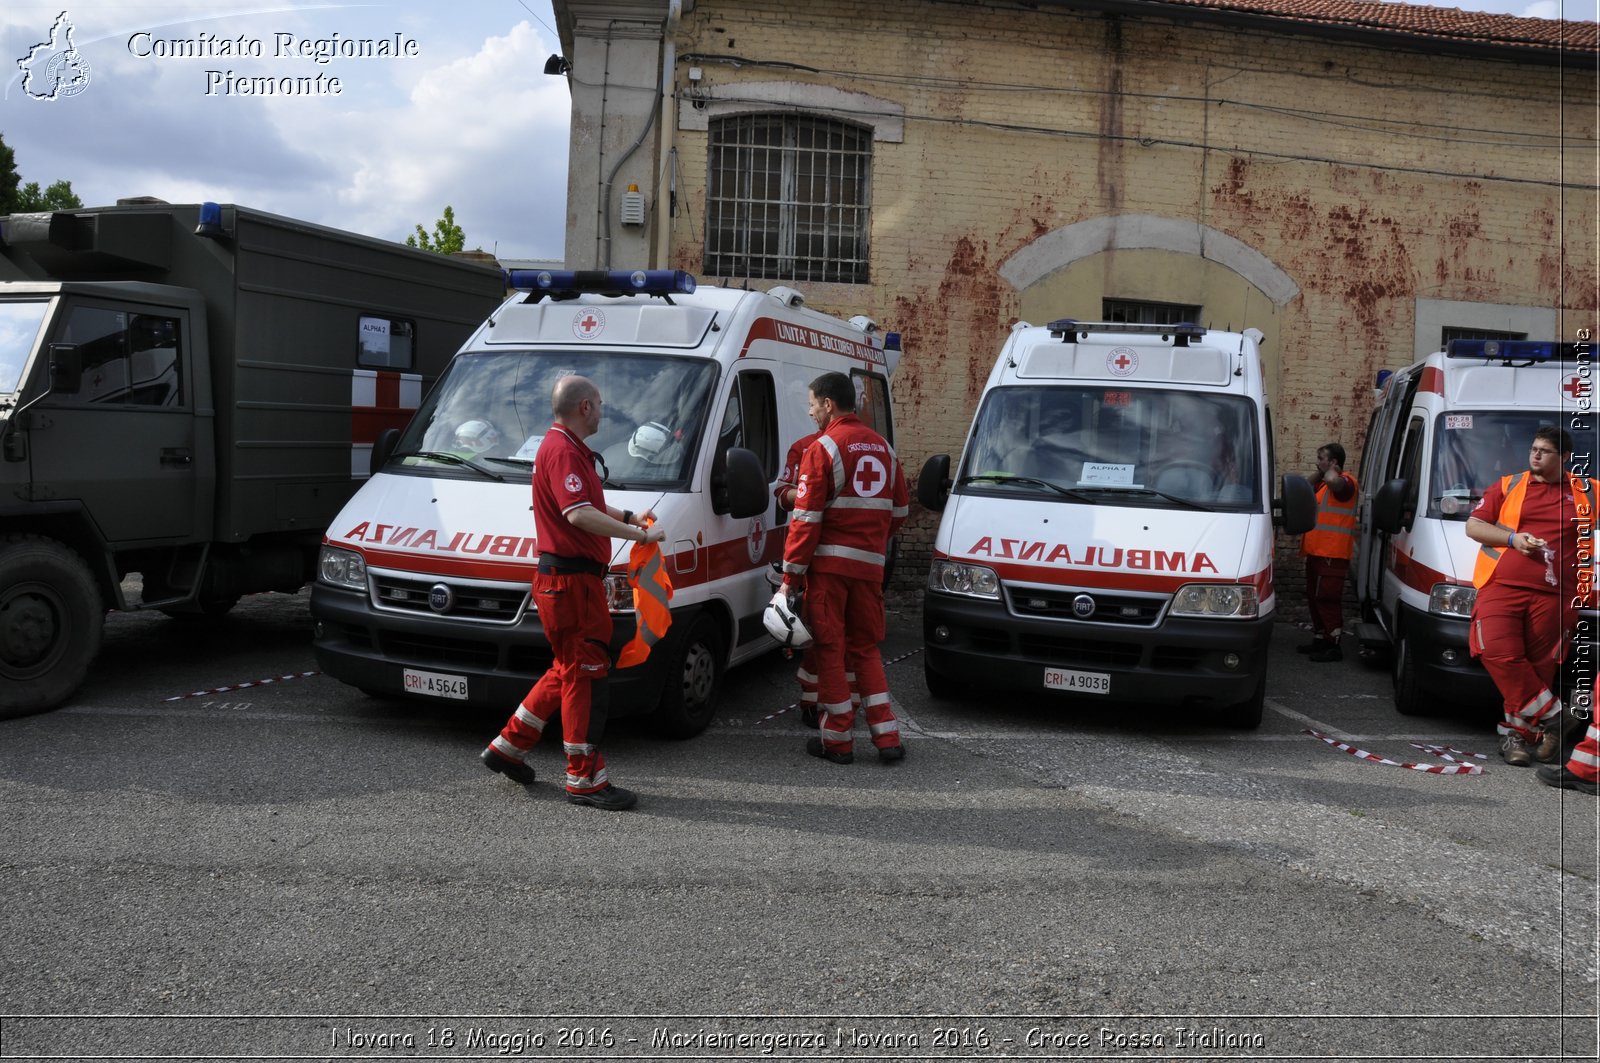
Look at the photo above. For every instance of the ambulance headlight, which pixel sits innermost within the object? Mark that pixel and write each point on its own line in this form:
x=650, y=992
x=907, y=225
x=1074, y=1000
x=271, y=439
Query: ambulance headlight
x=342, y=568
x=954, y=577
x=1452, y=599
x=1236, y=601
x=619, y=596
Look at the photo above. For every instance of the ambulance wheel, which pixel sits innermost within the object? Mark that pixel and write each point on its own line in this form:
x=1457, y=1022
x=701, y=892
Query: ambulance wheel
x=1246, y=715
x=942, y=687
x=1409, y=697
x=51, y=622
x=692, y=678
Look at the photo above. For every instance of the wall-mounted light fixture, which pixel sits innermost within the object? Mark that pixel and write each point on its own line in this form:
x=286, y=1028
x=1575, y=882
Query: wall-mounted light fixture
x=557, y=64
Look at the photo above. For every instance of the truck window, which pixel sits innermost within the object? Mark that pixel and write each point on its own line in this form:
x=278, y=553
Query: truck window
x=750, y=420
x=19, y=328
x=1198, y=448
x=872, y=403
x=128, y=358
x=1410, y=467
x=385, y=343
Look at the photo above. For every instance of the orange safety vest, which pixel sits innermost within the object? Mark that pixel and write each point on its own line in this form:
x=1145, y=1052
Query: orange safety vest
x=1334, y=534
x=652, y=589
x=1515, y=488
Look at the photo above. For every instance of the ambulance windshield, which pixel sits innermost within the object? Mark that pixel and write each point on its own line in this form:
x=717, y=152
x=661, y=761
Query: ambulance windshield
x=19, y=328
x=1112, y=446
x=1475, y=448
x=491, y=410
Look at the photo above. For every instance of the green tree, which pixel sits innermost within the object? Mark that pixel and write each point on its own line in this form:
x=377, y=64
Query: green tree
x=16, y=197
x=447, y=239
x=59, y=196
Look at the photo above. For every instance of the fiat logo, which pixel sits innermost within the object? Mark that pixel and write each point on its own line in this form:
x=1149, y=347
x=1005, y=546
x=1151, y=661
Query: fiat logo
x=1083, y=607
x=441, y=597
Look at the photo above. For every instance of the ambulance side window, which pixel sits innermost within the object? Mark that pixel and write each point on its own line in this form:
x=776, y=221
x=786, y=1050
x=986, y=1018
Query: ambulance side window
x=1410, y=468
x=872, y=403
x=750, y=420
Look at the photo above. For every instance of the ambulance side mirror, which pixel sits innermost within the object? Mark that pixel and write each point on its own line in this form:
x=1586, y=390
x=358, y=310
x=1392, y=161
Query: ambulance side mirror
x=1298, y=505
x=382, y=447
x=933, y=484
x=1389, y=507
x=740, y=489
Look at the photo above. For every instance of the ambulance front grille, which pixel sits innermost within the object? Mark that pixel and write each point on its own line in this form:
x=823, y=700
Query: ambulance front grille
x=1109, y=608
x=482, y=602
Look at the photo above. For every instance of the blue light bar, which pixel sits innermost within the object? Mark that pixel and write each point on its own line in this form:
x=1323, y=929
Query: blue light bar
x=1513, y=350
x=602, y=282
x=1180, y=330
x=891, y=341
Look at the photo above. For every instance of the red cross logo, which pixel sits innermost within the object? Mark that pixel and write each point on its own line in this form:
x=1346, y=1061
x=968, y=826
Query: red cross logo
x=755, y=543
x=870, y=477
x=588, y=324
x=1122, y=361
x=1575, y=388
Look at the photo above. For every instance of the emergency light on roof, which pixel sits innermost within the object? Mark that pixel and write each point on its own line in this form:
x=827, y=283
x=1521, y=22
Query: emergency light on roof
x=1182, y=331
x=566, y=282
x=1513, y=350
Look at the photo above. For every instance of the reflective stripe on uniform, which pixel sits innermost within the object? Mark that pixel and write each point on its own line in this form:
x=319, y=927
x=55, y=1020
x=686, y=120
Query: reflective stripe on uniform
x=837, y=459
x=858, y=502
x=848, y=552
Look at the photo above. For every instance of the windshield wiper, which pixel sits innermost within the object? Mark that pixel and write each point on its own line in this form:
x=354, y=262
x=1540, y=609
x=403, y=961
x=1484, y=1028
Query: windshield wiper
x=457, y=459
x=1179, y=499
x=1008, y=478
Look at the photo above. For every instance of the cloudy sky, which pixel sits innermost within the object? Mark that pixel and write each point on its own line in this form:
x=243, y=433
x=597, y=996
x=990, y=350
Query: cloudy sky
x=466, y=117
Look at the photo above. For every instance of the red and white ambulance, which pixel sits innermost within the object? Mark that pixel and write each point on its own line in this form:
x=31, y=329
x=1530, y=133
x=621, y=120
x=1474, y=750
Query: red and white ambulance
x=1108, y=533
x=1445, y=428
x=423, y=588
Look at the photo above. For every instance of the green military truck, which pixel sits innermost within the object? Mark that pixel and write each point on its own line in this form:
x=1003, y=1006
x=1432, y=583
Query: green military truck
x=189, y=394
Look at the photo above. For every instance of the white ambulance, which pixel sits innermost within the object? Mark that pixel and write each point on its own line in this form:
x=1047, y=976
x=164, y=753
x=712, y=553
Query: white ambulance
x=1109, y=533
x=423, y=587
x=1445, y=428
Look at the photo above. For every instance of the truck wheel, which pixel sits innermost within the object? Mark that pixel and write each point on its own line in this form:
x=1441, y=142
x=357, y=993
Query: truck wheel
x=693, y=677
x=51, y=621
x=1409, y=697
x=942, y=687
x=1246, y=715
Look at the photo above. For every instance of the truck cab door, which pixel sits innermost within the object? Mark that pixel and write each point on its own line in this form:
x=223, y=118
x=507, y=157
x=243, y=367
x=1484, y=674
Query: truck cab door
x=743, y=546
x=117, y=434
x=1409, y=468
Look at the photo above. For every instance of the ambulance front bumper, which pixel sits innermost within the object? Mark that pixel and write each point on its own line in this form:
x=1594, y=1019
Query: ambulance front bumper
x=1451, y=675
x=375, y=650
x=1177, y=661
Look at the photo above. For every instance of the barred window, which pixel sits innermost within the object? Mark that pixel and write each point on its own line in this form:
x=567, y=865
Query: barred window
x=787, y=198
x=1450, y=332
x=1143, y=312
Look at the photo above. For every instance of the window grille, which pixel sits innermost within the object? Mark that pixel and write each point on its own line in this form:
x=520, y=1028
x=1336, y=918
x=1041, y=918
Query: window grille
x=1140, y=312
x=1451, y=332
x=787, y=198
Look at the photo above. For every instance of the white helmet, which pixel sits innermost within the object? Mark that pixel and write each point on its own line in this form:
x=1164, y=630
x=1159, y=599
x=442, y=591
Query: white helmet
x=649, y=440
x=476, y=436
x=784, y=624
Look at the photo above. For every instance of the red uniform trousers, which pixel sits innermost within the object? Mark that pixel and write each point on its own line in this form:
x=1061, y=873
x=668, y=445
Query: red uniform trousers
x=1585, y=759
x=1518, y=634
x=573, y=610
x=847, y=623
x=1325, y=594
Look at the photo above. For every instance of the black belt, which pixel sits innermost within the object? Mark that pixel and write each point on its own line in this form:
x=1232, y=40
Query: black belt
x=555, y=564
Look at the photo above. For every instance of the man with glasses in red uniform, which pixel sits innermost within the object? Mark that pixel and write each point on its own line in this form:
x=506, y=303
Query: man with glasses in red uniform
x=1528, y=528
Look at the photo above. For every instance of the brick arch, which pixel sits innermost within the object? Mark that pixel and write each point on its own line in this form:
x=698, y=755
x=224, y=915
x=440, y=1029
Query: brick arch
x=1062, y=247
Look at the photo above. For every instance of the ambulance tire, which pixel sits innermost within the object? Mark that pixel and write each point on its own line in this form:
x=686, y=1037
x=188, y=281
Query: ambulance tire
x=1246, y=715
x=1409, y=697
x=942, y=687
x=51, y=622
x=691, y=681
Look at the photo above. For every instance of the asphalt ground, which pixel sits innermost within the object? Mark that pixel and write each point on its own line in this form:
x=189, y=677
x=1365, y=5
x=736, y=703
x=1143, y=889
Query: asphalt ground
x=295, y=870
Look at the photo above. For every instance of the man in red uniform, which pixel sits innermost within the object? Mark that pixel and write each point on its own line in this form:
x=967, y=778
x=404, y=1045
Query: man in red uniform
x=575, y=528
x=1526, y=575
x=1327, y=548
x=1581, y=772
x=785, y=492
x=850, y=499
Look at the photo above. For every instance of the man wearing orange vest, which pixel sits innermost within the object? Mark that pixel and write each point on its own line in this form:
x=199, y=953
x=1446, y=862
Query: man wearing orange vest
x=1327, y=548
x=1528, y=526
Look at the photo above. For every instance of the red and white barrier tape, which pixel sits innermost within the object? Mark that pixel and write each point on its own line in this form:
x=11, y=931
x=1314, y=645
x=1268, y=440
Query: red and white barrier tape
x=1432, y=769
x=1444, y=752
x=242, y=686
x=775, y=715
